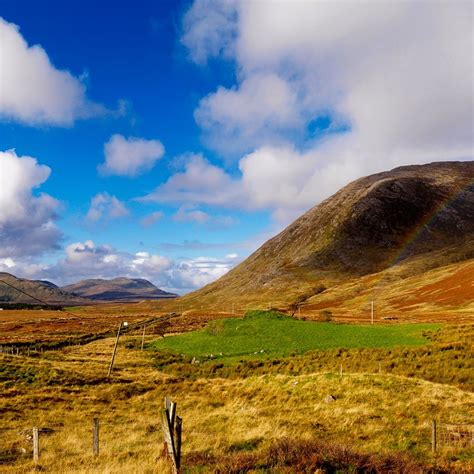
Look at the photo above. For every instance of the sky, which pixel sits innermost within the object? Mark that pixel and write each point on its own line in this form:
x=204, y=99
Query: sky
x=168, y=140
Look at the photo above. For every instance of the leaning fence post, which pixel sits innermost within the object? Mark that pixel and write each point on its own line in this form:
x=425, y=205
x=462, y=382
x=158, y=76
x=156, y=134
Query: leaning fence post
x=36, y=447
x=114, y=351
x=179, y=425
x=169, y=441
x=95, y=436
x=143, y=336
x=434, y=440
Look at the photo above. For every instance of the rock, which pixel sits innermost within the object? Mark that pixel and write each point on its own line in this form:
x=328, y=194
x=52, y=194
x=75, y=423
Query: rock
x=329, y=399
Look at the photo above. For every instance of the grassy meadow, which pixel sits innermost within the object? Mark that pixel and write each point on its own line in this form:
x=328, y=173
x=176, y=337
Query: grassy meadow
x=272, y=334
x=264, y=412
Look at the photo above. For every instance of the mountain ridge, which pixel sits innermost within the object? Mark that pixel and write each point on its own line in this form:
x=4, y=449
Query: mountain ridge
x=372, y=224
x=14, y=290
x=117, y=289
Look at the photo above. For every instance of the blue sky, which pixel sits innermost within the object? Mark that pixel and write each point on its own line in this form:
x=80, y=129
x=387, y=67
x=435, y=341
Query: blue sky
x=180, y=135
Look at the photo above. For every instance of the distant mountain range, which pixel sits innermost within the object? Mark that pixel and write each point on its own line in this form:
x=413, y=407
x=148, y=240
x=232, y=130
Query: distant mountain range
x=15, y=290
x=118, y=289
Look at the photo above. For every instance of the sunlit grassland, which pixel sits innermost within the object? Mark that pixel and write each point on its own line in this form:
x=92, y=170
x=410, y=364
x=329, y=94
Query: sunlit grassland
x=277, y=335
x=233, y=412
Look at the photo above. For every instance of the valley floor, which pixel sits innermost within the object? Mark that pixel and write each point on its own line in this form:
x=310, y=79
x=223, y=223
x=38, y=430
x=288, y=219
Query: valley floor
x=250, y=416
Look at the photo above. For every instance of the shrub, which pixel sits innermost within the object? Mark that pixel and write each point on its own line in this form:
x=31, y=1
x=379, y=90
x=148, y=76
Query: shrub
x=325, y=315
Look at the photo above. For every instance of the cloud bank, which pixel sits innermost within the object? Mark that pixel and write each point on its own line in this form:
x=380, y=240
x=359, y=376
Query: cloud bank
x=87, y=260
x=390, y=81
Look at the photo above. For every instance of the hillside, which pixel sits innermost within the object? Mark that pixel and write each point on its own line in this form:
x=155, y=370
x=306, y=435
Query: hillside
x=15, y=290
x=393, y=225
x=117, y=289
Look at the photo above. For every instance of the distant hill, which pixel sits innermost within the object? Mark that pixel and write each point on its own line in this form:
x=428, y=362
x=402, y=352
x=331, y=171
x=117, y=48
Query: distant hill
x=385, y=227
x=47, y=283
x=117, y=289
x=15, y=290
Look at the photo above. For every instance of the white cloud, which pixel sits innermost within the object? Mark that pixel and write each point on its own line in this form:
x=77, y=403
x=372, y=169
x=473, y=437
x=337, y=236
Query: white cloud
x=87, y=260
x=276, y=178
x=200, y=182
x=105, y=206
x=234, y=121
x=396, y=76
x=151, y=219
x=197, y=272
x=27, y=220
x=130, y=156
x=207, y=29
x=6, y=263
x=190, y=213
x=32, y=90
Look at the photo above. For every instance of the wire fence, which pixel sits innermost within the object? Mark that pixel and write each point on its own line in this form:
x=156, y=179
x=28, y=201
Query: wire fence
x=459, y=435
x=127, y=437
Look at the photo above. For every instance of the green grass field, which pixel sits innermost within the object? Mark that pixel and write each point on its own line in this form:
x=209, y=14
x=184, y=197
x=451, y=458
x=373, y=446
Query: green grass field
x=262, y=333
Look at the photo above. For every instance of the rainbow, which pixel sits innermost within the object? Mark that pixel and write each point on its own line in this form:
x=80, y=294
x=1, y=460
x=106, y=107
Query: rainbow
x=414, y=235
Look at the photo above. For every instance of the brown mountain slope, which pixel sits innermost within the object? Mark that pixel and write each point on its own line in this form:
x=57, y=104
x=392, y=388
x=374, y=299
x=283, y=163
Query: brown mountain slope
x=15, y=290
x=415, y=217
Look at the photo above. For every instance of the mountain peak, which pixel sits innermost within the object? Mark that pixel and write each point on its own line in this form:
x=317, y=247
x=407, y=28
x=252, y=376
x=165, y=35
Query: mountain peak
x=369, y=225
x=117, y=289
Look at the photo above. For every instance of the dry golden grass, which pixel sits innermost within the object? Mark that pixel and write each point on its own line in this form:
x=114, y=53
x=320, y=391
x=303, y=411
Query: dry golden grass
x=222, y=417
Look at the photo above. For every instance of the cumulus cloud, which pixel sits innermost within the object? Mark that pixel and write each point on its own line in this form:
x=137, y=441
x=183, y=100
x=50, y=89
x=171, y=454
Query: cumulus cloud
x=88, y=260
x=234, y=121
x=32, y=90
x=207, y=29
x=151, y=218
x=191, y=213
x=27, y=219
x=199, y=182
x=130, y=156
x=105, y=207
x=280, y=179
x=394, y=78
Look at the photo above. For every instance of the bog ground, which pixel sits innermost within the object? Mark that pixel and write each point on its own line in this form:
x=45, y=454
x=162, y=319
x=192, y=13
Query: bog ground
x=287, y=409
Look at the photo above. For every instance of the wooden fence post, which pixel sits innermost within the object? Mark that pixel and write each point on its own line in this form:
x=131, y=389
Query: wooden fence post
x=114, y=351
x=95, y=436
x=143, y=336
x=434, y=440
x=169, y=441
x=36, y=446
x=172, y=429
x=179, y=428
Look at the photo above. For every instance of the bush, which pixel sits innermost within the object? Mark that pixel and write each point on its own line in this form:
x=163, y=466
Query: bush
x=325, y=315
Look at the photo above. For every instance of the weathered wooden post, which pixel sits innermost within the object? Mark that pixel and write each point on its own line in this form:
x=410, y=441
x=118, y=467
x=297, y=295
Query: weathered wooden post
x=169, y=441
x=179, y=427
x=434, y=440
x=36, y=446
x=95, y=436
x=172, y=429
x=143, y=336
x=114, y=351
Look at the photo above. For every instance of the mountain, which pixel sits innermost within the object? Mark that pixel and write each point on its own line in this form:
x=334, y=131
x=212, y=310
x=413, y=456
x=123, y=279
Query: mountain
x=118, y=289
x=386, y=227
x=47, y=283
x=15, y=290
